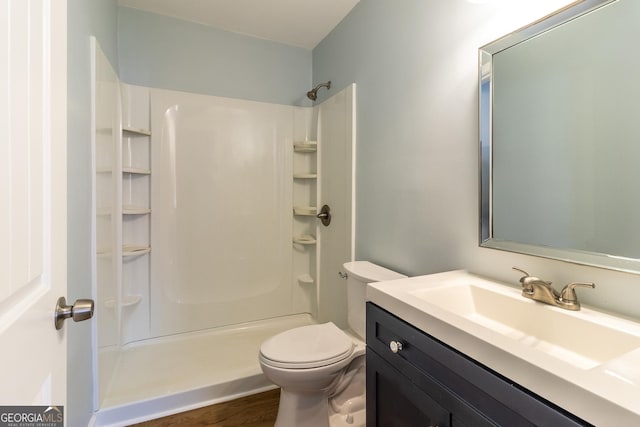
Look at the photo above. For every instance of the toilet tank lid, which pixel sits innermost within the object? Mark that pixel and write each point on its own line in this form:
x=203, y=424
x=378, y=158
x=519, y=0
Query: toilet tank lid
x=369, y=272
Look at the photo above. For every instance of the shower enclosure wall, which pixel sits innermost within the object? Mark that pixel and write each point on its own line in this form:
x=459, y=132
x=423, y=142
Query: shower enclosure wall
x=221, y=203
x=206, y=238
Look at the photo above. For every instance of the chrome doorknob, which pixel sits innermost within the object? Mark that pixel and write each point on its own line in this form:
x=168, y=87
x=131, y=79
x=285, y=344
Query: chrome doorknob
x=81, y=310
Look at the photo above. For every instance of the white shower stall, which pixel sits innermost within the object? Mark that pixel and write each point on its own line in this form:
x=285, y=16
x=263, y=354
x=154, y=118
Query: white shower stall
x=207, y=240
x=221, y=203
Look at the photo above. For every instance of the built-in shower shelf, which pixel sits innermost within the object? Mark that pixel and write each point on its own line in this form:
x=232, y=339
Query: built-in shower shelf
x=135, y=210
x=134, y=250
x=127, y=301
x=305, y=147
x=305, y=279
x=305, y=210
x=104, y=169
x=305, y=239
x=136, y=171
x=305, y=175
x=136, y=131
x=130, y=300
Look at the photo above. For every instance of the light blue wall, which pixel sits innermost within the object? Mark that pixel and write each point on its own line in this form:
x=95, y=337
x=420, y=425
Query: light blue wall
x=97, y=17
x=415, y=66
x=169, y=53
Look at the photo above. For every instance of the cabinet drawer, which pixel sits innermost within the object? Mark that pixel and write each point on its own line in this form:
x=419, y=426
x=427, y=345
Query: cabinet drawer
x=456, y=381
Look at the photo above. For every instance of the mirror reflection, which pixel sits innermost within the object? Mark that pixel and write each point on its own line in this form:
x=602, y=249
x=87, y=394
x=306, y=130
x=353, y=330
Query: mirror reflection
x=560, y=137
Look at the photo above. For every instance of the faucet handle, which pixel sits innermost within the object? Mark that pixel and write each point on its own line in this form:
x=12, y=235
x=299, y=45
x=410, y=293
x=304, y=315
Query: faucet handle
x=528, y=279
x=568, y=293
x=525, y=280
x=521, y=271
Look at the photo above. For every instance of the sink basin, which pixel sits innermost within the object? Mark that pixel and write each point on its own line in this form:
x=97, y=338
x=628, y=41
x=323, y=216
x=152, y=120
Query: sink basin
x=586, y=361
x=584, y=338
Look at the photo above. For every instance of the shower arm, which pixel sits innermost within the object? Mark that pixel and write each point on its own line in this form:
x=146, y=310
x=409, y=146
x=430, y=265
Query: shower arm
x=313, y=93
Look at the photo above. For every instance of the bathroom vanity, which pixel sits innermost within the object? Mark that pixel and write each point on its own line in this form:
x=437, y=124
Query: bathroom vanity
x=455, y=349
x=427, y=383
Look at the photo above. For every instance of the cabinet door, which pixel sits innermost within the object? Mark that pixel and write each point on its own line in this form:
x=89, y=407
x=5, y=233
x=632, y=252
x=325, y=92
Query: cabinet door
x=394, y=401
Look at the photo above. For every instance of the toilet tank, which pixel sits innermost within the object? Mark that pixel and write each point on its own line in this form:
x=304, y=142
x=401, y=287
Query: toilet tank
x=359, y=273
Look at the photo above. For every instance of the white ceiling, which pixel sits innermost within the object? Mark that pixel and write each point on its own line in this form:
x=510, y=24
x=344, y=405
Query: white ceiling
x=302, y=23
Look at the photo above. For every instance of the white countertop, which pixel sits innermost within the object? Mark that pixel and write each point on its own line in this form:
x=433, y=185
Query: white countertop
x=606, y=394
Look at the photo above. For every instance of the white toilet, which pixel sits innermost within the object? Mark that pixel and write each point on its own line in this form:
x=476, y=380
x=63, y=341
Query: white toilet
x=320, y=368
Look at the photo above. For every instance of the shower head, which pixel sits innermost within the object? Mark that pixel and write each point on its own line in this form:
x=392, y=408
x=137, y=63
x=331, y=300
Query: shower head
x=313, y=93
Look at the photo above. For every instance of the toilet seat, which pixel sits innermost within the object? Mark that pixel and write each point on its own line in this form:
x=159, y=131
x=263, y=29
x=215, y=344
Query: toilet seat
x=307, y=347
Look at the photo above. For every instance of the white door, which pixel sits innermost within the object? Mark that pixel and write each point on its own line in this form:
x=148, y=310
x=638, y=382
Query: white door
x=33, y=251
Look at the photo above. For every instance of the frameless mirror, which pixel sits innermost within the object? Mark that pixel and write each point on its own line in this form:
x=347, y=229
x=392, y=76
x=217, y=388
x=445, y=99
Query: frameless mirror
x=560, y=137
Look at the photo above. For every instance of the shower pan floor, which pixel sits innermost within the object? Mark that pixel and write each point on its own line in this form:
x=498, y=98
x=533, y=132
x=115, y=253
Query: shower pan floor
x=172, y=374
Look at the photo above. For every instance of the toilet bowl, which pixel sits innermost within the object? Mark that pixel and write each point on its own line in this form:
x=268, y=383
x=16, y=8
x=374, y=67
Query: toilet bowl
x=308, y=363
x=320, y=368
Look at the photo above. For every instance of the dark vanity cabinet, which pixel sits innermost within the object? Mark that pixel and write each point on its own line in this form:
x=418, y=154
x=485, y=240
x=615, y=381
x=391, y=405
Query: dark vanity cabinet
x=426, y=383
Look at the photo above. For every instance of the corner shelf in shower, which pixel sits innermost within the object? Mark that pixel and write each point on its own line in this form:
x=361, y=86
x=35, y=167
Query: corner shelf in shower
x=305, y=176
x=136, y=171
x=305, y=279
x=306, y=164
x=130, y=251
x=305, y=147
x=136, y=131
x=304, y=239
x=135, y=210
x=305, y=210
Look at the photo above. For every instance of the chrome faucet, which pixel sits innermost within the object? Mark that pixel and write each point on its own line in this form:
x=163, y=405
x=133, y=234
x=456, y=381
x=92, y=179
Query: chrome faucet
x=541, y=290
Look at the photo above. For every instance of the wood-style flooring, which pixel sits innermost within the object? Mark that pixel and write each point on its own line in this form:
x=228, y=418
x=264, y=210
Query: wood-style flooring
x=258, y=410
